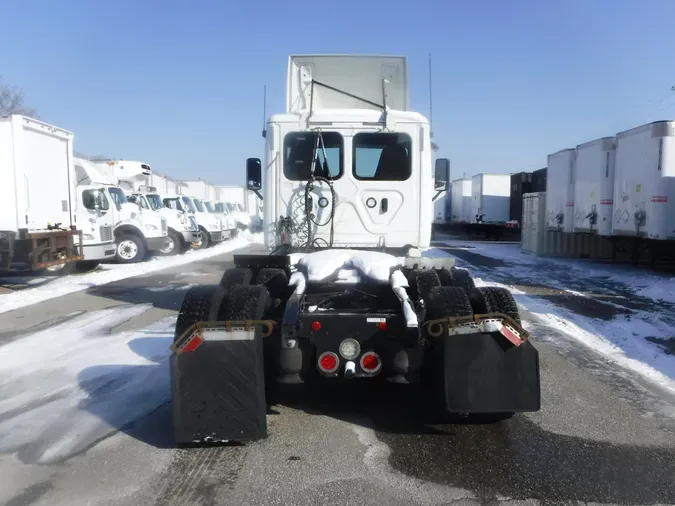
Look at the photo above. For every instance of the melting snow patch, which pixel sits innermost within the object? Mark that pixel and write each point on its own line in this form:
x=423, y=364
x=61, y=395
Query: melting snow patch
x=111, y=273
x=66, y=388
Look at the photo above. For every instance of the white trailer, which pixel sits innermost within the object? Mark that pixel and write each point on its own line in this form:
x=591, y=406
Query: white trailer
x=37, y=222
x=197, y=188
x=594, y=186
x=442, y=208
x=460, y=195
x=533, y=228
x=560, y=190
x=644, y=193
x=232, y=194
x=171, y=186
x=490, y=197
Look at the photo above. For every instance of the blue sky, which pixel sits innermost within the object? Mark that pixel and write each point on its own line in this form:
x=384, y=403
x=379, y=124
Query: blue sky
x=179, y=84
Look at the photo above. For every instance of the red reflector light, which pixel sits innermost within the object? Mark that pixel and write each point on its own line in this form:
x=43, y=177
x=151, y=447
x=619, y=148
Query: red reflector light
x=370, y=362
x=191, y=345
x=329, y=362
x=316, y=326
x=382, y=326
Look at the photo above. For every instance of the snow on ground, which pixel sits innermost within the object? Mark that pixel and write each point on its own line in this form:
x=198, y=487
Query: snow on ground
x=651, y=285
x=621, y=337
x=65, y=388
x=108, y=273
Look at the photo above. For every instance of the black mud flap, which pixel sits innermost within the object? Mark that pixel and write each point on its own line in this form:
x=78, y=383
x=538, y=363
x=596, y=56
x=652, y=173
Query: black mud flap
x=485, y=373
x=219, y=392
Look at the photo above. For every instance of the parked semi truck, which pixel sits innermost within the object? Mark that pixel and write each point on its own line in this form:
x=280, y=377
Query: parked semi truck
x=362, y=301
x=37, y=223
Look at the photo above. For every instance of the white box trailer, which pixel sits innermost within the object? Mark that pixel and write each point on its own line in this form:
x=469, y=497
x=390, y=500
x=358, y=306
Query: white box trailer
x=233, y=194
x=644, y=188
x=37, y=221
x=594, y=186
x=490, y=197
x=560, y=190
x=460, y=195
x=159, y=181
x=196, y=188
x=533, y=227
x=440, y=207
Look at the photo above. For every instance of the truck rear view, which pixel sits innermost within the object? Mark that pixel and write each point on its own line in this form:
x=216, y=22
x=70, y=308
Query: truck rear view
x=37, y=226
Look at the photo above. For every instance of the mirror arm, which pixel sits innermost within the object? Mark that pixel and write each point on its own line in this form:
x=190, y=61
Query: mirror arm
x=438, y=194
x=257, y=192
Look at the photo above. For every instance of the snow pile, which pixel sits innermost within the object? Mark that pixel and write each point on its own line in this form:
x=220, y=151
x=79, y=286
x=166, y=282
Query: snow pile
x=322, y=265
x=66, y=388
x=113, y=272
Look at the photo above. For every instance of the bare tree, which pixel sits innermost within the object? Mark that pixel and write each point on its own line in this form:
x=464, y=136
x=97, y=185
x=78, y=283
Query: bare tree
x=12, y=102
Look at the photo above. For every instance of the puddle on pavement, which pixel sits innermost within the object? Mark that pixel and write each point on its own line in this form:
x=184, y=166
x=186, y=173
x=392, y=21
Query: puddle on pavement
x=519, y=460
x=473, y=258
x=587, y=305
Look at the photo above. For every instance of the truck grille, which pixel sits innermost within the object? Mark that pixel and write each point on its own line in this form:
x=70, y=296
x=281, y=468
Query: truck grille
x=106, y=233
x=163, y=225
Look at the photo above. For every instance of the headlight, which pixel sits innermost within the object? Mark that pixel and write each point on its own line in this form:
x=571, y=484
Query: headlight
x=150, y=227
x=213, y=226
x=88, y=237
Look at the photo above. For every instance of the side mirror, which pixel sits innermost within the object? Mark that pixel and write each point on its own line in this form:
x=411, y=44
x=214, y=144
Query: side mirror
x=253, y=174
x=442, y=174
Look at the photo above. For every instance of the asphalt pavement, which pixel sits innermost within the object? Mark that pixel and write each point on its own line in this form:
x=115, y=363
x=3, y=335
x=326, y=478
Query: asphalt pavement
x=602, y=436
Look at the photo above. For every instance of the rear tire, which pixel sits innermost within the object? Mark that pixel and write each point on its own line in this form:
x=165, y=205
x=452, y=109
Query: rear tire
x=201, y=303
x=462, y=278
x=493, y=299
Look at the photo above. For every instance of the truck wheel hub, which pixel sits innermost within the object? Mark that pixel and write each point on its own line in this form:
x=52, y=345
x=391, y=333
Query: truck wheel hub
x=127, y=249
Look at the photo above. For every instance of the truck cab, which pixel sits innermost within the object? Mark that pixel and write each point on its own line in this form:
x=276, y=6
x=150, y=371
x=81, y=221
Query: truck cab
x=227, y=222
x=210, y=227
x=95, y=215
x=348, y=172
x=182, y=228
x=137, y=228
x=228, y=218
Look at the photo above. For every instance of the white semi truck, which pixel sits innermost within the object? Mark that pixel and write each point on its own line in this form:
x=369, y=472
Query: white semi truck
x=39, y=226
x=361, y=302
x=137, y=228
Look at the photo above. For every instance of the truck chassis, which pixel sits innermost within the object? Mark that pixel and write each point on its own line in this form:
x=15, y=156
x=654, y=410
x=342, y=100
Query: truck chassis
x=39, y=250
x=232, y=340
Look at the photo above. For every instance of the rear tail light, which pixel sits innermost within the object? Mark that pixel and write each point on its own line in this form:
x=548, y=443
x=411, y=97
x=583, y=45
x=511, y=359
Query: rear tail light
x=370, y=362
x=328, y=362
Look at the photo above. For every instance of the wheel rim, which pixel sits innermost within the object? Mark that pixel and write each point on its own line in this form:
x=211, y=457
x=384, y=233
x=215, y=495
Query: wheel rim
x=170, y=245
x=127, y=249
